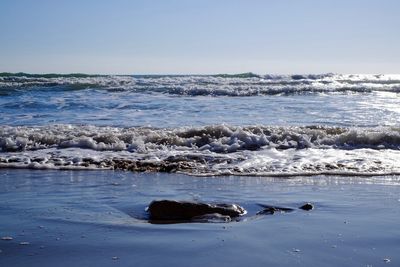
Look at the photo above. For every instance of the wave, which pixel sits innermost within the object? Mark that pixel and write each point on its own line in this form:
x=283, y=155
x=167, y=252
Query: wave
x=216, y=138
x=239, y=75
x=246, y=84
x=209, y=150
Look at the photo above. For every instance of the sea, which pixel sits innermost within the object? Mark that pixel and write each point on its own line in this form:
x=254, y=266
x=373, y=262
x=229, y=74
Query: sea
x=202, y=125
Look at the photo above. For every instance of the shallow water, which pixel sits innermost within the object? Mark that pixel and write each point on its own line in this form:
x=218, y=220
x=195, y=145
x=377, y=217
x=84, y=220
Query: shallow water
x=87, y=218
x=202, y=125
x=270, y=125
x=175, y=101
x=244, y=129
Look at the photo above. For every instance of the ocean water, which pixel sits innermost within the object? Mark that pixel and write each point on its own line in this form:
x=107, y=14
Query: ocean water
x=255, y=125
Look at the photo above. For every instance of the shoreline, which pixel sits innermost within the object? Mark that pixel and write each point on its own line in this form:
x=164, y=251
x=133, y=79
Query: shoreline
x=282, y=175
x=97, y=218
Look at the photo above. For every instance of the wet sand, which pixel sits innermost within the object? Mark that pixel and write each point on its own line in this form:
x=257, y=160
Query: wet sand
x=97, y=218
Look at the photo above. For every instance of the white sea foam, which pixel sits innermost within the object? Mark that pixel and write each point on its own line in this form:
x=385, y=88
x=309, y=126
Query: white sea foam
x=215, y=149
x=214, y=85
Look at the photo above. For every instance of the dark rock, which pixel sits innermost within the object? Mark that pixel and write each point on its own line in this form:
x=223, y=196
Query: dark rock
x=307, y=206
x=272, y=209
x=171, y=210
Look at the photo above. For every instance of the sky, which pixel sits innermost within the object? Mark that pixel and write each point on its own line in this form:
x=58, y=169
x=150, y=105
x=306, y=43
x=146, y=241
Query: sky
x=200, y=36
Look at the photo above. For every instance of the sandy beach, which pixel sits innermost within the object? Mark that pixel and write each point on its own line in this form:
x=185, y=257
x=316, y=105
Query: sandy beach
x=97, y=218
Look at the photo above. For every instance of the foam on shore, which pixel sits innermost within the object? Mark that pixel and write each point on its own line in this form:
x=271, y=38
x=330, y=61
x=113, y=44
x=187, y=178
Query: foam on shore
x=211, y=150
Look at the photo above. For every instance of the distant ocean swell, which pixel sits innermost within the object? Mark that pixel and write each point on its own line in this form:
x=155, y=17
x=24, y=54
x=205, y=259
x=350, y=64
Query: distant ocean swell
x=246, y=84
x=208, y=150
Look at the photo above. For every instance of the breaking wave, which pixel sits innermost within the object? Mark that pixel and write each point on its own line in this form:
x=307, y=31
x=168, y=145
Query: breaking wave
x=209, y=150
x=246, y=84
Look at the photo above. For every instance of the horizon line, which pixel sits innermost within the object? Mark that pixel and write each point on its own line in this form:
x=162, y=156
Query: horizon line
x=250, y=73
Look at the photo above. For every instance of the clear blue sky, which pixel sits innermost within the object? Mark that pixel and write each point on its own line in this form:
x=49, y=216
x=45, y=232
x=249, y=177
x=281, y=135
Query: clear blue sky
x=203, y=36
